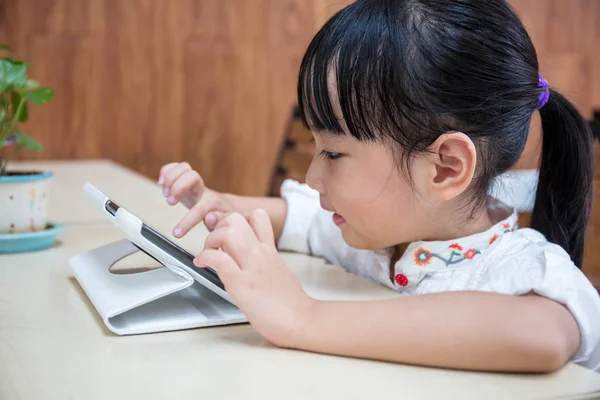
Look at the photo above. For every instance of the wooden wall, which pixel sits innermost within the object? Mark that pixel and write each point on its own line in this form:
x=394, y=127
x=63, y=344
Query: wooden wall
x=212, y=82
x=146, y=82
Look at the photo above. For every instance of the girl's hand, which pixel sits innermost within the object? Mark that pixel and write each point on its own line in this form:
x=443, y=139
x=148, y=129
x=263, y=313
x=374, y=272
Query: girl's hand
x=181, y=183
x=244, y=255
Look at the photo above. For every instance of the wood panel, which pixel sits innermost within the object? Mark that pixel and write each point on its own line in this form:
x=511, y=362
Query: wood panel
x=146, y=82
x=212, y=82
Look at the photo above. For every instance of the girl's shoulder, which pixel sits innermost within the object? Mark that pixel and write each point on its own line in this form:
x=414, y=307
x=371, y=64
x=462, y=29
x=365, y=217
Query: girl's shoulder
x=523, y=246
x=525, y=258
x=525, y=262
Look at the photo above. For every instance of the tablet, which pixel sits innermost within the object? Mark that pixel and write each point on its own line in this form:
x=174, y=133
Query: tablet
x=155, y=245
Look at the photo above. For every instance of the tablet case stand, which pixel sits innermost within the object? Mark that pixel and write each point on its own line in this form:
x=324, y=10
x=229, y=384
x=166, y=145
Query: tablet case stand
x=163, y=299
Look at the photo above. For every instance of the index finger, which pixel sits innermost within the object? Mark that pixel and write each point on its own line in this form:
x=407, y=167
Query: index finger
x=261, y=224
x=194, y=216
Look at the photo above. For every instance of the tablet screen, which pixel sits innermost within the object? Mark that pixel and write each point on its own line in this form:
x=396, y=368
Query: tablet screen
x=172, y=249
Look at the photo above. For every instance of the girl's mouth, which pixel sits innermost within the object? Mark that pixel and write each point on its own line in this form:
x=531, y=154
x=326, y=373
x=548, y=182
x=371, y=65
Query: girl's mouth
x=338, y=219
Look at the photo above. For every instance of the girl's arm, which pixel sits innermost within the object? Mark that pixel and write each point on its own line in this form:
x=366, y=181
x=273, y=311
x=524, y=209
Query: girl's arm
x=464, y=330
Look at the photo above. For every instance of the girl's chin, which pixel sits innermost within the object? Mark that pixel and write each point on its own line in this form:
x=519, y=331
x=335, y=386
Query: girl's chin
x=358, y=242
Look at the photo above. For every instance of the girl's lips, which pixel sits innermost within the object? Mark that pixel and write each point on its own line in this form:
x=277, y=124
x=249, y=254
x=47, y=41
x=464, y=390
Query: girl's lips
x=338, y=219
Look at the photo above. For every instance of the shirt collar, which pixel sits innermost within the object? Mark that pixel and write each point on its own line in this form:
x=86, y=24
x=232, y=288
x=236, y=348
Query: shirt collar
x=422, y=258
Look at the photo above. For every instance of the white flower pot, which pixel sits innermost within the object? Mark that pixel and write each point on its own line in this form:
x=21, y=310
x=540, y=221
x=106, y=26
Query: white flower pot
x=23, y=201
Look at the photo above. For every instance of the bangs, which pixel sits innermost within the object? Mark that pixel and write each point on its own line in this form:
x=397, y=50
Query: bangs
x=356, y=62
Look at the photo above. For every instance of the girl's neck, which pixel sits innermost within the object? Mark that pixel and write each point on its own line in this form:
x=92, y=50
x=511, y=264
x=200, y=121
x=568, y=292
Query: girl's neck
x=455, y=225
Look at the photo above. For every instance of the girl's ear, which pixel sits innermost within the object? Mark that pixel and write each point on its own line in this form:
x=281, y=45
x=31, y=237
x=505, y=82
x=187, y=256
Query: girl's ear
x=454, y=158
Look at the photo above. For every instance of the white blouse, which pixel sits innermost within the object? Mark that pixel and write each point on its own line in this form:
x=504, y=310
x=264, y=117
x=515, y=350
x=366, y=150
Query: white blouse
x=503, y=259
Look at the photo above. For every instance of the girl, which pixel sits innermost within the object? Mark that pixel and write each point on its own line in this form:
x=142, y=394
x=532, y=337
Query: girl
x=415, y=107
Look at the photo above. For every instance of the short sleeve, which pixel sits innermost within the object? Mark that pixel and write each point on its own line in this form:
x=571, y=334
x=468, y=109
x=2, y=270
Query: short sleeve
x=566, y=284
x=302, y=207
x=535, y=265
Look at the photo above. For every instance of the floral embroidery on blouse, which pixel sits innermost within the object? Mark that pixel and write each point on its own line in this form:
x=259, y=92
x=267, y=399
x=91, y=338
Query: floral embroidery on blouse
x=493, y=239
x=423, y=256
x=455, y=252
x=471, y=254
x=456, y=246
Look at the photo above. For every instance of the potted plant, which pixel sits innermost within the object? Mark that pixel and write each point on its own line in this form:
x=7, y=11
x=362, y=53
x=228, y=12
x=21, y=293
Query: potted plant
x=23, y=194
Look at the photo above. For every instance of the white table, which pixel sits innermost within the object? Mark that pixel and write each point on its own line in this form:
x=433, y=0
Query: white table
x=54, y=346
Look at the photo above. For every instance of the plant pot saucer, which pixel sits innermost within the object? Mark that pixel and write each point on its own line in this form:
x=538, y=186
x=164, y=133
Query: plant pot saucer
x=29, y=241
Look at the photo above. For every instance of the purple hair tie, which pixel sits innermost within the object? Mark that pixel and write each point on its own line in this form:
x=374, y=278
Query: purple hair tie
x=545, y=95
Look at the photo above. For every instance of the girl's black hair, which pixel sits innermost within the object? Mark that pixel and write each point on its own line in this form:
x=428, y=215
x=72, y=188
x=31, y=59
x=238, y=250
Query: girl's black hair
x=411, y=70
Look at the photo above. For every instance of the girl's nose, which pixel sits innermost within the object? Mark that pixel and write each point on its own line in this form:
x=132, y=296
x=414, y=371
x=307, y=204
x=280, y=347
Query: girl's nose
x=313, y=177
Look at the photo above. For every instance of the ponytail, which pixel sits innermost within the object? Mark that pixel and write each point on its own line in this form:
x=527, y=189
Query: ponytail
x=565, y=187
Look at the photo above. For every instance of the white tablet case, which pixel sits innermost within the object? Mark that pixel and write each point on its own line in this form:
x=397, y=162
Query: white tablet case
x=164, y=299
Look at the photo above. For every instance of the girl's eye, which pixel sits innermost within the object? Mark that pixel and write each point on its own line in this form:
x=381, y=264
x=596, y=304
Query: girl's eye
x=330, y=155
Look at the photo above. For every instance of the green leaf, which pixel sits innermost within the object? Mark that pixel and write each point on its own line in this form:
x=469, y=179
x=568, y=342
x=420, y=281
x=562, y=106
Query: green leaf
x=26, y=141
x=4, y=127
x=23, y=113
x=40, y=95
x=4, y=47
x=2, y=115
x=12, y=74
x=31, y=84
